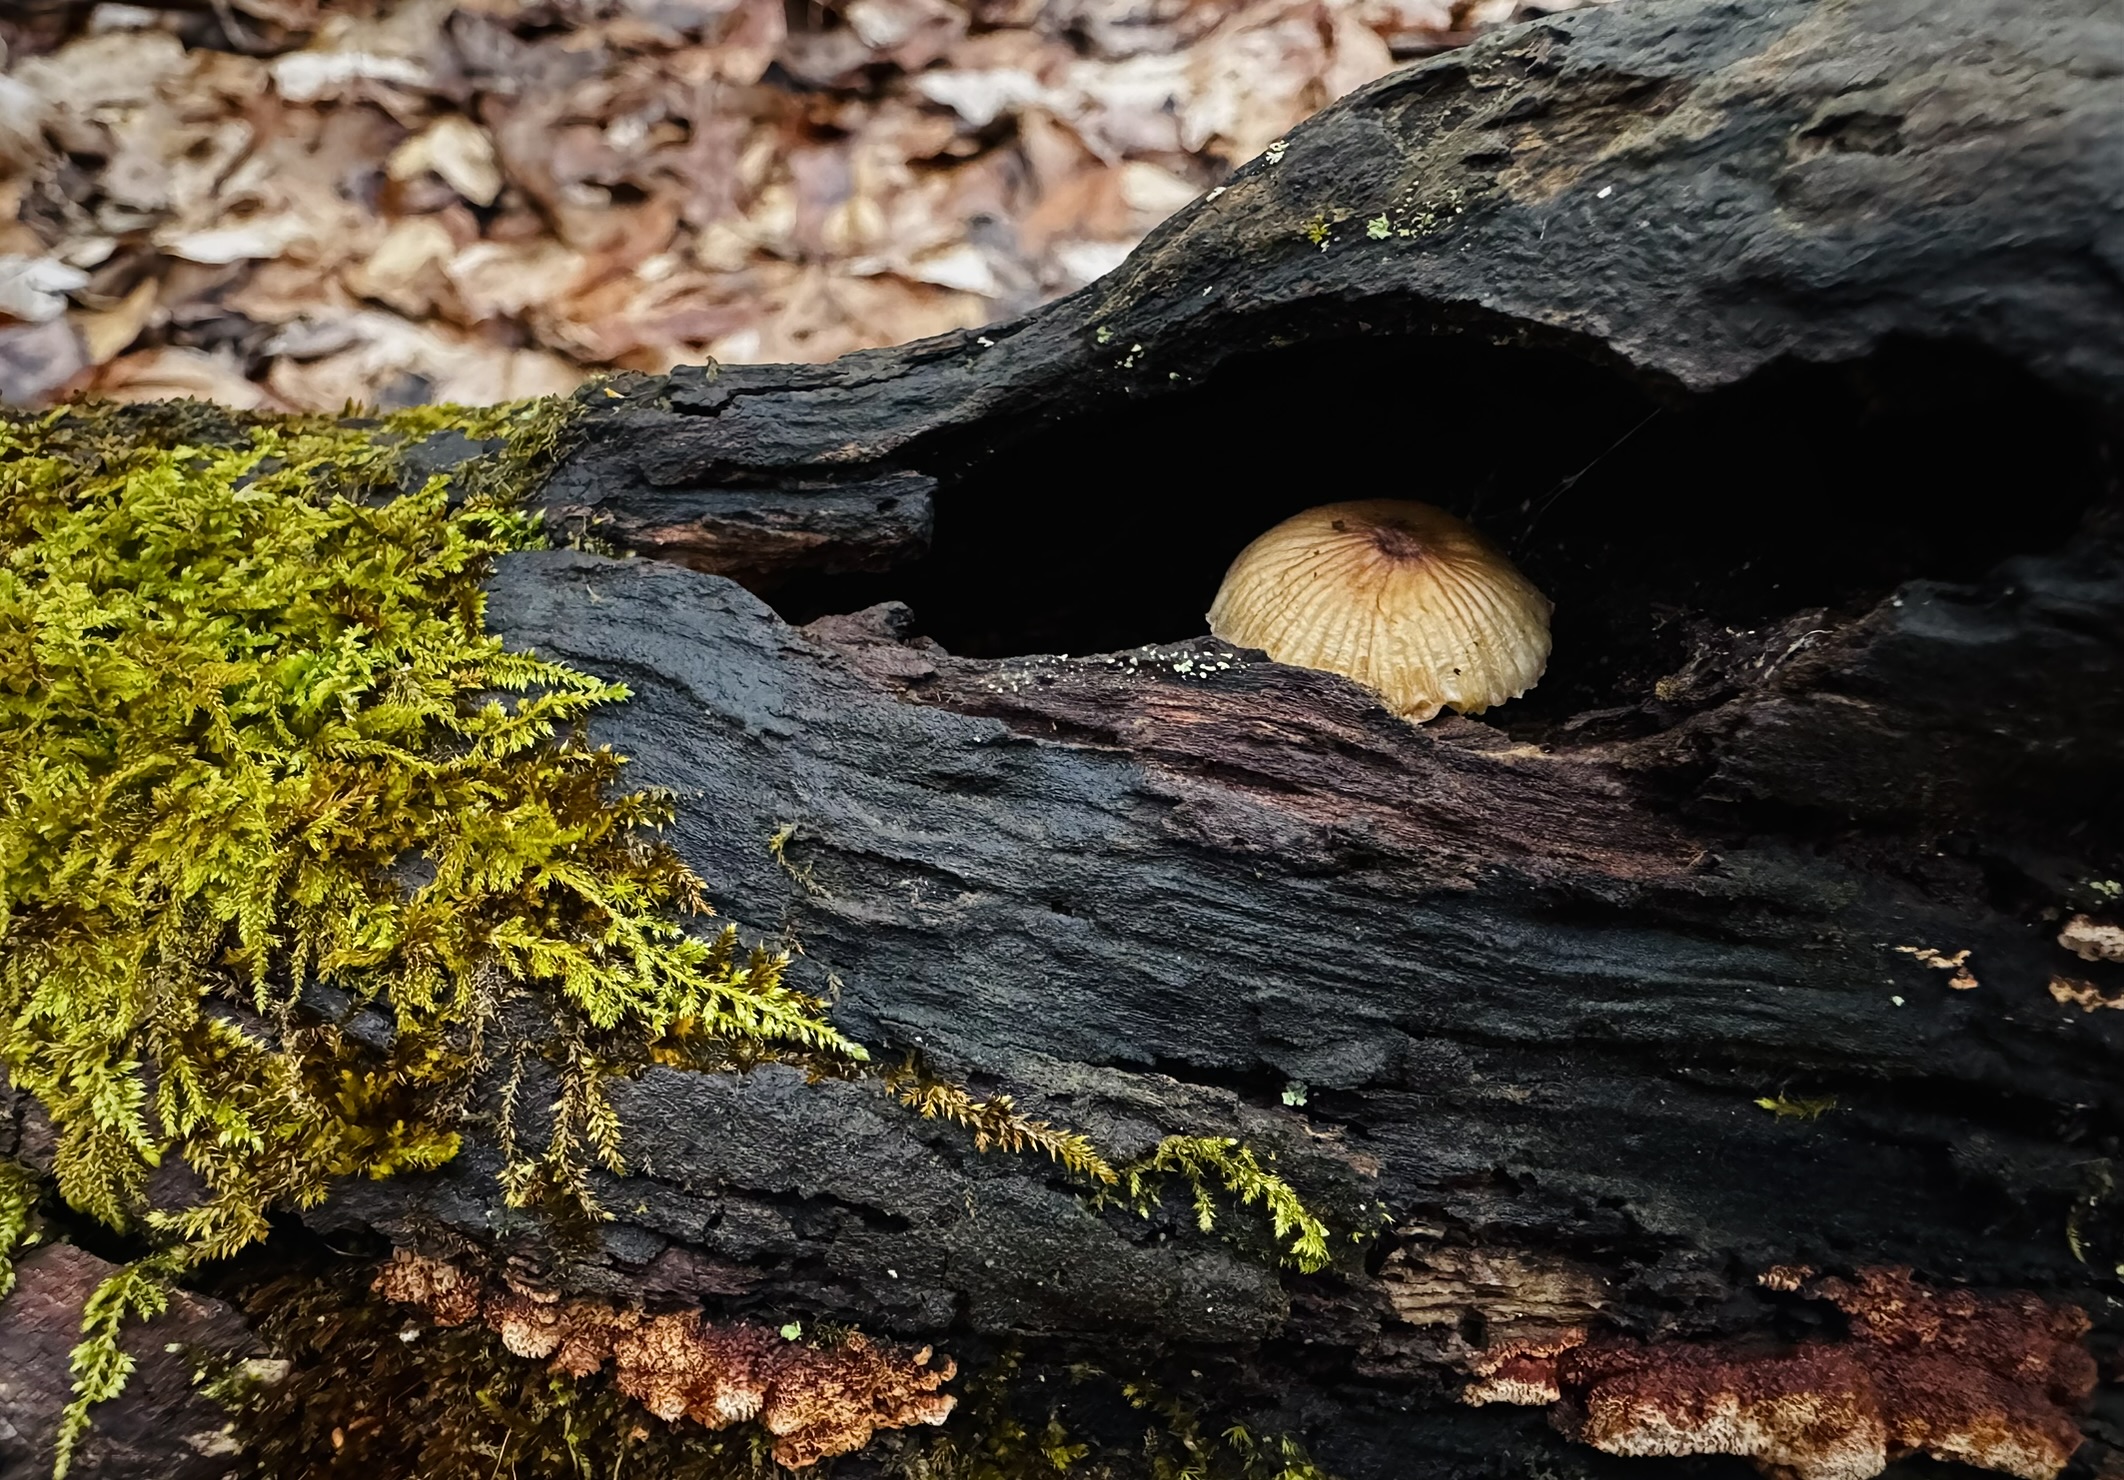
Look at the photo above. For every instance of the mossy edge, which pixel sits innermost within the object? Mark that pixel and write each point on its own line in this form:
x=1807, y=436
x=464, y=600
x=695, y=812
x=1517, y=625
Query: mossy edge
x=244, y=683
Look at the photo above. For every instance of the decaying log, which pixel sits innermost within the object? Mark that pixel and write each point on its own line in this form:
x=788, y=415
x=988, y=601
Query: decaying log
x=1685, y=194
x=762, y=536
x=1639, y=1029
x=169, y=1423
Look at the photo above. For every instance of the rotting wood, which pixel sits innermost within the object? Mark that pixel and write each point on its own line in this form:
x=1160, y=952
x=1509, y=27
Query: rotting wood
x=1501, y=996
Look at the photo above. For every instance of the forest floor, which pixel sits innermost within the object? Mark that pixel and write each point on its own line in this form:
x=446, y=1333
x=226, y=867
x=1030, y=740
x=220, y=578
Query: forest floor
x=298, y=204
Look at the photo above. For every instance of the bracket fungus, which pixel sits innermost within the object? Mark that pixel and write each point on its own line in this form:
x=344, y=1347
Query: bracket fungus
x=1402, y=597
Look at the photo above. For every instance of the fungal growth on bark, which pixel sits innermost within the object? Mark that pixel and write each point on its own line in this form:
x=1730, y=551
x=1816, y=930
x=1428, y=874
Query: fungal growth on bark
x=1400, y=596
x=1995, y=1381
x=1522, y=1047
x=2092, y=940
x=816, y=1401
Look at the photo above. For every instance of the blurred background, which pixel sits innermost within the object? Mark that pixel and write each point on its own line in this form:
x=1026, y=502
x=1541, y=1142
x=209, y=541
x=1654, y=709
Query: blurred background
x=295, y=204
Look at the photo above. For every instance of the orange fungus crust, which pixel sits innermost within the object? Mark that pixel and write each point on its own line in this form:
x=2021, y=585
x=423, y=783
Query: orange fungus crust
x=816, y=1401
x=1989, y=1380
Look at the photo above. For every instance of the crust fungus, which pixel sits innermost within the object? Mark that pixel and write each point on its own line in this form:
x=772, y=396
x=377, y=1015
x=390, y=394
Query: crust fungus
x=2092, y=940
x=1992, y=1381
x=1404, y=598
x=816, y=1402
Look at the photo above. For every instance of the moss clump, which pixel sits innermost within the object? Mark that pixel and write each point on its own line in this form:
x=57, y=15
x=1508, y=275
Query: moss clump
x=19, y=1192
x=996, y=1123
x=99, y=1368
x=1207, y=1164
x=262, y=770
x=255, y=738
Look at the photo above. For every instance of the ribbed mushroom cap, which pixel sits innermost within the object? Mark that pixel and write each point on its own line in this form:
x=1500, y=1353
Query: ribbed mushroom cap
x=1402, y=597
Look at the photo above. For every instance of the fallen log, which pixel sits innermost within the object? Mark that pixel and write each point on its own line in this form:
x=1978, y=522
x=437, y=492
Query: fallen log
x=1702, y=1056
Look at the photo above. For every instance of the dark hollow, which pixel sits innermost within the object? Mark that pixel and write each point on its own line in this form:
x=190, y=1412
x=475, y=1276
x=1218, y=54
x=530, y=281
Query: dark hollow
x=1644, y=518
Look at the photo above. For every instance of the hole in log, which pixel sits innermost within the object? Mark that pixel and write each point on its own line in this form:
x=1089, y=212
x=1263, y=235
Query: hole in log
x=1649, y=521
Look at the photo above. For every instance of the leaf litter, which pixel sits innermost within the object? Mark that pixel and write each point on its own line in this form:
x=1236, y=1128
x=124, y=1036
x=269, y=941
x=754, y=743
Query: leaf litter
x=304, y=203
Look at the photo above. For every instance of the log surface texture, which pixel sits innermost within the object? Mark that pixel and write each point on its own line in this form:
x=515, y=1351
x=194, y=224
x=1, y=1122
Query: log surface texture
x=1533, y=986
x=1511, y=993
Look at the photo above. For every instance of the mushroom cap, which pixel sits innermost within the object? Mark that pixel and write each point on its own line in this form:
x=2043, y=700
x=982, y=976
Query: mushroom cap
x=1401, y=597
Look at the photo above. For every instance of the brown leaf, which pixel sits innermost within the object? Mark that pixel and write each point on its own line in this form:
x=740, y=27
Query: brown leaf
x=406, y=270
x=463, y=194
x=110, y=332
x=171, y=373
x=459, y=152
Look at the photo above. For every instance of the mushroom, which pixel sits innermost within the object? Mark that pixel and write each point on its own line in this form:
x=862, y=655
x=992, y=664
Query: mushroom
x=1402, y=597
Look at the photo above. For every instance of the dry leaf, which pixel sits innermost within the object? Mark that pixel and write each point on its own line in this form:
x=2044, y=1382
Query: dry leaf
x=296, y=15
x=34, y=289
x=468, y=197
x=406, y=270
x=963, y=267
x=909, y=33
x=22, y=112
x=503, y=279
x=308, y=76
x=458, y=151
x=38, y=359
x=110, y=332
x=102, y=77
x=176, y=374
x=1153, y=193
x=509, y=375
x=266, y=236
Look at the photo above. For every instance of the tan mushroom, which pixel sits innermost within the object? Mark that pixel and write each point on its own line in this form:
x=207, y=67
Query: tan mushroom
x=1401, y=597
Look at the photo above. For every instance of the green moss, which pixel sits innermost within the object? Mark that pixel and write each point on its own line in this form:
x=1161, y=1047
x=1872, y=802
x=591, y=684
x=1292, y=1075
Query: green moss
x=992, y=1436
x=20, y=1190
x=1210, y=1166
x=996, y=1123
x=99, y=1368
x=1210, y=1162
x=1180, y=1448
x=256, y=737
x=1800, y=1108
x=265, y=768
x=247, y=693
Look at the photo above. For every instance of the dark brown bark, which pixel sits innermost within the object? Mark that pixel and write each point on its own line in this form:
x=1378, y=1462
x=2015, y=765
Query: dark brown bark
x=1783, y=344
x=166, y=1425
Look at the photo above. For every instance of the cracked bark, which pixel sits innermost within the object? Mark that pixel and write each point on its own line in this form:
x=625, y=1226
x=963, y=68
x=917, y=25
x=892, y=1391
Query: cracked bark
x=1783, y=344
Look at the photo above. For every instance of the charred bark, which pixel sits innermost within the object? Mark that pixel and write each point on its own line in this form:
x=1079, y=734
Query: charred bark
x=1792, y=381
x=1783, y=344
